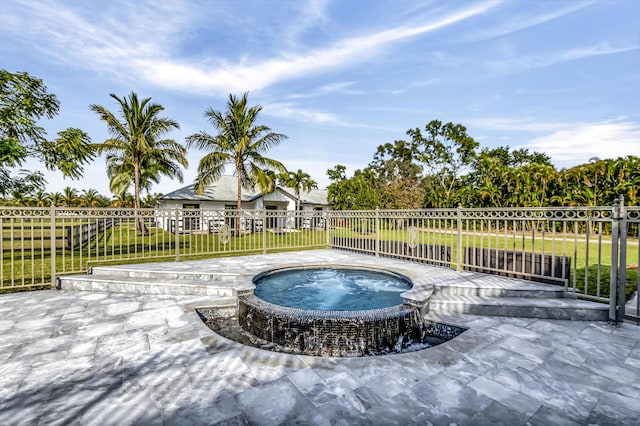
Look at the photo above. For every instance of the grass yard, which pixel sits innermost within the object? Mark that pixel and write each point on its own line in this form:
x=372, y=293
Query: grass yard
x=586, y=252
x=27, y=257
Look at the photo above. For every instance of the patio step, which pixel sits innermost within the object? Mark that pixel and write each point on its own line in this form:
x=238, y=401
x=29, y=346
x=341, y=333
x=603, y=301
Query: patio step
x=156, y=271
x=140, y=285
x=527, y=307
x=521, y=290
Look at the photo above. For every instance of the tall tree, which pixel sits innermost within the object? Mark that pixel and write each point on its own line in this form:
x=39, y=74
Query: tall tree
x=298, y=181
x=360, y=192
x=401, y=194
x=92, y=198
x=150, y=200
x=120, y=172
x=24, y=100
x=626, y=177
x=239, y=142
x=40, y=199
x=393, y=160
x=136, y=145
x=267, y=182
x=446, y=151
x=20, y=197
x=69, y=197
x=54, y=198
x=122, y=199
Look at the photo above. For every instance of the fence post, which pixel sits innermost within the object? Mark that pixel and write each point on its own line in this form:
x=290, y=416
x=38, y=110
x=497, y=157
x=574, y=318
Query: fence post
x=52, y=231
x=622, y=263
x=264, y=230
x=459, y=239
x=327, y=227
x=176, y=233
x=616, y=310
x=377, y=232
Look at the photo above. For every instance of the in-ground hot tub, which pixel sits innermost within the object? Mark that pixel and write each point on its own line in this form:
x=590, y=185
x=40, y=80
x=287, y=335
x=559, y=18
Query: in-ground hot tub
x=331, y=288
x=337, y=311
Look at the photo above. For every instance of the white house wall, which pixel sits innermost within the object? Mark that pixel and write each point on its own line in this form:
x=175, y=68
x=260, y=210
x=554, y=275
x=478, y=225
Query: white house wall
x=211, y=213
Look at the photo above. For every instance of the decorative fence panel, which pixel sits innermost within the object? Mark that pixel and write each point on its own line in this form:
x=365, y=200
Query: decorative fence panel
x=629, y=260
x=591, y=251
x=539, y=244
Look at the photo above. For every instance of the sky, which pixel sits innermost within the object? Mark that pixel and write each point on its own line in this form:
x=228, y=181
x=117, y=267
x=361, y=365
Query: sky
x=341, y=77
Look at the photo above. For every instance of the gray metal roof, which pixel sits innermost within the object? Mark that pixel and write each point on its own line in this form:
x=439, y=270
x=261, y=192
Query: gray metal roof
x=224, y=189
x=315, y=196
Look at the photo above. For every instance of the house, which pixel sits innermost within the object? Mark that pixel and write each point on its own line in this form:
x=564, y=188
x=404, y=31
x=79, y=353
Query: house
x=209, y=207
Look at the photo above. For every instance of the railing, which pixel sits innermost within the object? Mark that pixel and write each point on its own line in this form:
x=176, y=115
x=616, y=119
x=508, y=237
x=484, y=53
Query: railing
x=591, y=251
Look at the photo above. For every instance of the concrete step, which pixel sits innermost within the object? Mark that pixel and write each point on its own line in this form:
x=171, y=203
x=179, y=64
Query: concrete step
x=140, y=285
x=152, y=271
x=534, y=291
x=527, y=307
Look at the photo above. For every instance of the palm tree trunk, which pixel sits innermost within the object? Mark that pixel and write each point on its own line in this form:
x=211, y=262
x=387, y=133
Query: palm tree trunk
x=297, y=219
x=238, y=205
x=140, y=226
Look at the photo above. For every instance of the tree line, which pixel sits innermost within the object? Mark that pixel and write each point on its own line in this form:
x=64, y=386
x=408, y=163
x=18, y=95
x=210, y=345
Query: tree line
x=437, y=166
x=441, y=166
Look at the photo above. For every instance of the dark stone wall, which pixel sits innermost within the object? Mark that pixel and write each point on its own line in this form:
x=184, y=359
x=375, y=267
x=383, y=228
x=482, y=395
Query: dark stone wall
x=325, y=335
x=339, y=333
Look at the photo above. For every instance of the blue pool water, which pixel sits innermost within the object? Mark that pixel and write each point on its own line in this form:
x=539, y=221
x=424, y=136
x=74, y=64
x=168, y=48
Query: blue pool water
x=331, y=289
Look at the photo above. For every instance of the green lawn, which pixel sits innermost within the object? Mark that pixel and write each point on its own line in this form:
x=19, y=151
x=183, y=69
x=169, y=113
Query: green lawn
x=27, y=263
x=585, y=255
x=26, y=255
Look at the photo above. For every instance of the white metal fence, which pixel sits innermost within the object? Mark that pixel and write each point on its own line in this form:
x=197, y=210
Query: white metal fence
x=593, y=251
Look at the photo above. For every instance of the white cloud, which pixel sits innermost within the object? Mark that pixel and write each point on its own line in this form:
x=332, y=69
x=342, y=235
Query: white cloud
x=296, y=113
x=287, y=110
x=340, y=87
x=518, y=63
x=311, y=14
x=576, y=143
x=226, y=78
x=518, y=23
x=524, y=124
x=123, y=45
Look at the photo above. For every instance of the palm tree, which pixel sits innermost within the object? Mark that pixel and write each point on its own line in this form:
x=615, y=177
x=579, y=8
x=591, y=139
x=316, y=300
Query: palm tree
x=69, y=197
x=120, y=173
x=40, y=199
x=489, y=190
x=20, y=196
x=267, y=182
x=123, y=200
x=92, y=198
x=136, y=147
x=298, y=181
x=54, y=198
x=150, y=200
x=626, y=172
x=239, y=142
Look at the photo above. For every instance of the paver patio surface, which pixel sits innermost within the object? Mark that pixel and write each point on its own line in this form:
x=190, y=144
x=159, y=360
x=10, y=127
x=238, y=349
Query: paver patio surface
x=91, y=358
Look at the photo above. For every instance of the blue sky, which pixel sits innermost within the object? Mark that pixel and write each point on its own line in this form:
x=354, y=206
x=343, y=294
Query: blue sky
x=342, y=77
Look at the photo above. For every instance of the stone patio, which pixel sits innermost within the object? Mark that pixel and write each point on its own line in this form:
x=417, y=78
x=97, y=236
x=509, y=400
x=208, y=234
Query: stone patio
x=118, y=358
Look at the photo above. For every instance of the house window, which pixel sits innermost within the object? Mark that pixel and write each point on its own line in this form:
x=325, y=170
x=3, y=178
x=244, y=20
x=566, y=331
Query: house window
x=318, y=220
x=272, y=222
x=191, y=220
x=230, y=218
